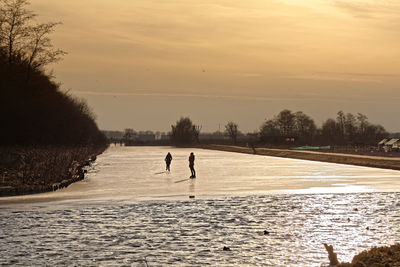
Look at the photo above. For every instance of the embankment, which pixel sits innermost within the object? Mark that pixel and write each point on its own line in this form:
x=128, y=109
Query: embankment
x=29, y=170
x=376, y=256
x=359, y=160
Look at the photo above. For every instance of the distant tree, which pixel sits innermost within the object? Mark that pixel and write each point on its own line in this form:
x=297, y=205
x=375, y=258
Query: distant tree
x=374, y=133
x=269, y=132
x=196, y=133
x=340, y=124
x=184, y=131
x=345, y=129
x=331, y=131
x=305, y=127
x=350, y=129
x=286, y=122
x=24, y=40
x=362, y=123
x=288, y=125
x=231, y=129
x=129, y=134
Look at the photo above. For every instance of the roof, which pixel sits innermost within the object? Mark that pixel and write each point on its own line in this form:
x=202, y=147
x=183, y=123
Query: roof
x=382, y=142
x=391, y=142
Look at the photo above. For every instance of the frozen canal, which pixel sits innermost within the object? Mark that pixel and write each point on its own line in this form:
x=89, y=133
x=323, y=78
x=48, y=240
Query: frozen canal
x=129, y=212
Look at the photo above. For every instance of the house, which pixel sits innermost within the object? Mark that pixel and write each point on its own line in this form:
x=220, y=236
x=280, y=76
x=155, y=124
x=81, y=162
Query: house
x=382, y=143
x=392, y=145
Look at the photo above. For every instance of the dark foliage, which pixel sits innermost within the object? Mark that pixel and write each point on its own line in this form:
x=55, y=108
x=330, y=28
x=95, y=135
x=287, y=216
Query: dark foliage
x=185, y=132
x=34, y=111
x=351, y=129
x=299, y=128
x=287, y=125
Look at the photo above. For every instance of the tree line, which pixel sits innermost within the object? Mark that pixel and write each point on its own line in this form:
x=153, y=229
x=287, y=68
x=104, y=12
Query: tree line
x=33, y=110
x=289, y=127
x=346, y=129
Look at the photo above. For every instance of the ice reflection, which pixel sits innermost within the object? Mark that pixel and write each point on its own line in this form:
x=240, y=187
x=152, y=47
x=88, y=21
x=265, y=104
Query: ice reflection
x=336, y=189
x=134, y=173
x=193, y=233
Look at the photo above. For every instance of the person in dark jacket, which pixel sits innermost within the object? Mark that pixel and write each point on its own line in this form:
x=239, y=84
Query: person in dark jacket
x=168, y=160
x=191, y=165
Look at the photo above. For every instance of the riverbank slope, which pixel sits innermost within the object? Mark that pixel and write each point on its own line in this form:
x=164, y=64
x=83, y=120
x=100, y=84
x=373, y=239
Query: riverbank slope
x=359, y=160
x=39, y=169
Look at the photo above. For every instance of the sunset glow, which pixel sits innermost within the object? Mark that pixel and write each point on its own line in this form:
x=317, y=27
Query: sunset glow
x=239, y=59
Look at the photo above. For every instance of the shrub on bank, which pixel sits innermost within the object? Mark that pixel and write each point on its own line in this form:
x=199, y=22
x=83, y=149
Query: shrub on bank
x=376, y=257
x=39, y=169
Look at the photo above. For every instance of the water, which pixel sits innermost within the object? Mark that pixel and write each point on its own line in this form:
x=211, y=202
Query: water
x=128, y=211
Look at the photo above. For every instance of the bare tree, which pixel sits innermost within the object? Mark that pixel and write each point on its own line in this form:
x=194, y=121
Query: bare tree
x=2, y=19
x=362, y=123
x=305, y=127
x=350, y=127
x=331, y=131
x=22, y=38
x=196, y=133
x=40, y=50
x=288, y=125
x=340, y=120
x=14, y=28
x=286, y=122
x=269, y=131
x=231, y=129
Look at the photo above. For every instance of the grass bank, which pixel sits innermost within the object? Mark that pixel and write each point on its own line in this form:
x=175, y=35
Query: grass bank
x=377, y=257
x=359, y=160
x=28, y=170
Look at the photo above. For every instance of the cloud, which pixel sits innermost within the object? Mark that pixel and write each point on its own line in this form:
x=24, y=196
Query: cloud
x=207, y=96
x=357, y=9
x=370, y=9
x=156, y=94
x=250, y=74
x=285, y=97
x=360, y=74
x=335, y=76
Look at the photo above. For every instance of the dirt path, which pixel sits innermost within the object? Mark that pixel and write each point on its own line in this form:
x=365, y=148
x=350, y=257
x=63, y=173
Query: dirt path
x=359, y=160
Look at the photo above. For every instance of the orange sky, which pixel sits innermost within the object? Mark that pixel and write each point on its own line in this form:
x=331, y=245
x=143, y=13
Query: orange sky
x=145, y=63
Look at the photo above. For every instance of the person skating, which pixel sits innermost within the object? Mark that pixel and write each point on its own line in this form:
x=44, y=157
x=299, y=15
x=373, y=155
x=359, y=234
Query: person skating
x=191, y=165
x=168, y=160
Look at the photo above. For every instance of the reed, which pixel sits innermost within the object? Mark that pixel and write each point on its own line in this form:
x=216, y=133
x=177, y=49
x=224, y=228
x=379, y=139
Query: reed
x=377, y=256
x=25, y=170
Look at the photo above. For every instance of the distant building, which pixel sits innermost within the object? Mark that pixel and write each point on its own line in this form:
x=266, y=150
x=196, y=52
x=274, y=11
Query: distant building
x=216, y=136
x=382, y=143
x=165, y=136
x=114, y=134
x=392, y=145
x=146, y=136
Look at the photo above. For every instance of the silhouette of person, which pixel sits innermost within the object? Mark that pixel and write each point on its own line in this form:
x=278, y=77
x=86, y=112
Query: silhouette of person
x=191, y=165
x=168, y=160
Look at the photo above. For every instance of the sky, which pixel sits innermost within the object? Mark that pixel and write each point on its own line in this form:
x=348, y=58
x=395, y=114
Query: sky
x=143, y=64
